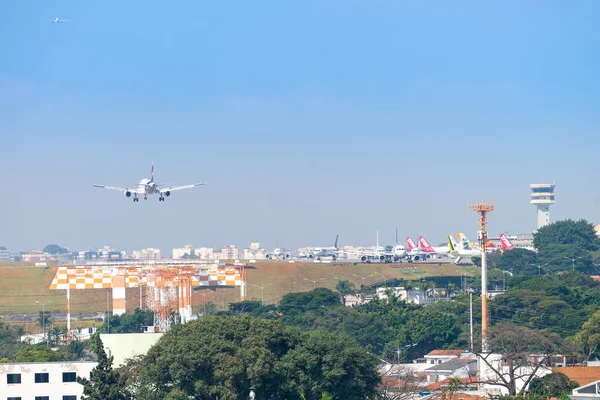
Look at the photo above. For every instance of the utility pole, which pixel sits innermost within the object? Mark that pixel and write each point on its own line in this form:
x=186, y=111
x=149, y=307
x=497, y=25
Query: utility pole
x=471, y=318
x=44, y=322
x=204, y=304
x=483, y=209
x=314, y=282
x=363, y=279
x=262, y=293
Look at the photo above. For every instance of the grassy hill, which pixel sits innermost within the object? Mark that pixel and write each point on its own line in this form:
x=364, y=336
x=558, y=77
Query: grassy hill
x=22, y=285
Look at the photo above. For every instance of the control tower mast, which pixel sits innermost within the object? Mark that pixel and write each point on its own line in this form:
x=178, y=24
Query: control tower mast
x=542, y=196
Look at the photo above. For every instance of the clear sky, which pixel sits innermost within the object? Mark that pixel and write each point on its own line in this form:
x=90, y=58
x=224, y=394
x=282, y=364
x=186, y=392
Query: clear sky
x=307, y=119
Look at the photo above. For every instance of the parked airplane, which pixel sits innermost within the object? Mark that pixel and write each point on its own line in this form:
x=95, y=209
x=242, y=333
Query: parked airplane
x=378, y=252
x=425, y=246
x=467, y=245
x=149, y=186
x=414, y=253
x=459, y=252
x=505, y=242
x=319, y=252
x=277, y=254
x=58, y=20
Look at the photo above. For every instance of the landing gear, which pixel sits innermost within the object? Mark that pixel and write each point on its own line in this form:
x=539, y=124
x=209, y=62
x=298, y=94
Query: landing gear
x=161, y=198
x=145, y=197
x=135, y=198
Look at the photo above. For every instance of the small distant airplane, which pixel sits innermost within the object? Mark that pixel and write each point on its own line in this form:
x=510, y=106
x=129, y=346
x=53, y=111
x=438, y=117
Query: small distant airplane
x=149, y=186
x=58, y=20
x=277, y=253
x=318, y=252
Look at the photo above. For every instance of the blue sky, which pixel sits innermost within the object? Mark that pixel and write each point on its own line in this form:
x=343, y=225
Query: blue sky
x=307, y=118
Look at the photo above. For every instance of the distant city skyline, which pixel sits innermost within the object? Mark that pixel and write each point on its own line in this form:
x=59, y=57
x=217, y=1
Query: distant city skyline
x=306, y=119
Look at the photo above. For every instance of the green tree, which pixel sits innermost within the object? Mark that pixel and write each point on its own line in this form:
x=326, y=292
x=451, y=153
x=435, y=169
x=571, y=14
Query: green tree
x=588, y=338
x=345, y=287
x=521, y=261
x=325, y=363
x=102, y=384
x=569, y=232
x=222, y=357
x=55, y=249
x=128, y=323
x=555, y=384
x=565, y=257
x=39, y=353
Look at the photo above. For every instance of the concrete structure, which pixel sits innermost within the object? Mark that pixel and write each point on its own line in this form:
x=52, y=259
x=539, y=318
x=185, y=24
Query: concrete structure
x=178, y=253
x=542, y=196
x=128, y=345
x=52, y=381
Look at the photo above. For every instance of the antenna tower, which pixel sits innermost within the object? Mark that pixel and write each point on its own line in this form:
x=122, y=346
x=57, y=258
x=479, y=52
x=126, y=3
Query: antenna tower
x=483, y=209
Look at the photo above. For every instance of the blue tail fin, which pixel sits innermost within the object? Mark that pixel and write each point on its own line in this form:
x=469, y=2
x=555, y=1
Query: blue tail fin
x=152, y=173
x=336, y=241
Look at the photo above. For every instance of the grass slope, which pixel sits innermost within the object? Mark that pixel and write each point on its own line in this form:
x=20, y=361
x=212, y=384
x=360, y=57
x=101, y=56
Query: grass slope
x=21, y=286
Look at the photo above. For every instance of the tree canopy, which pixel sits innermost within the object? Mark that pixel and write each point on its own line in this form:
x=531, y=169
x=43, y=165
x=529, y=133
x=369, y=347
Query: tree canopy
x=55, y=249
x=222, y=357
x=570, y=232
x=102, y=384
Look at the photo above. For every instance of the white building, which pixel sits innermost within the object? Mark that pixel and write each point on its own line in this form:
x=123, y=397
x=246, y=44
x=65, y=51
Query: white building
x=122, y=346
x=44, y=381
x=146, y=254
x=229, y=252
x=4, y=256
x=204, y=253
x=178, y=253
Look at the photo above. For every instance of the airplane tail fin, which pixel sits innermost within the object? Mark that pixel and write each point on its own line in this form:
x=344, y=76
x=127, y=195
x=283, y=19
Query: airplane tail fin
x=411, y=244
x=466, y=244
x=152, y=173
x=397, y=236
x=336, y=242
x=490, y=244
x=506, y=243
x=450, y=243
x=424, y=244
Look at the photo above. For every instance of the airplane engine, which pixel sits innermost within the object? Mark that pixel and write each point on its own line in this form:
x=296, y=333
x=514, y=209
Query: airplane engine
x=363, y=258
x=311, y=256
x=416, y=258
x=127, y=193
x=381, y=258
x=167, y=193
x=268, y=256
x=286, y=256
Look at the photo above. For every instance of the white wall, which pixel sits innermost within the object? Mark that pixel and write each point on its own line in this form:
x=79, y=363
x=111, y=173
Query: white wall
x=55, y=388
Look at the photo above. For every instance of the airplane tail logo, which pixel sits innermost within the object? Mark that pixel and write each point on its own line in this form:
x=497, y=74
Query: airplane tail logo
x=466, y=244
x=490, y=244
x=424, y=244
x=410, y=243
x=336, y=242
x=506, y=243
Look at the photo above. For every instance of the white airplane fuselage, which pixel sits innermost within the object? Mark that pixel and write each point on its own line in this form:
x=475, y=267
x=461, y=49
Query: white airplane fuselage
x=148, y=186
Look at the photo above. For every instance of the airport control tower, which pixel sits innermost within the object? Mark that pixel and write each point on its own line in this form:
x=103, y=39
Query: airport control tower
x=542, y=196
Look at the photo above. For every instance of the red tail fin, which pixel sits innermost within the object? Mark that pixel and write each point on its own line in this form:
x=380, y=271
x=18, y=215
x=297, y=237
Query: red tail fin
x=410, y=243
x=424, y=245
x=490, y=244
x=506, y=243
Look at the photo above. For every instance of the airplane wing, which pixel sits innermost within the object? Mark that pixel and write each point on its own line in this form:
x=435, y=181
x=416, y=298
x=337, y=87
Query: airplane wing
x=120, y=189
x=173, y=188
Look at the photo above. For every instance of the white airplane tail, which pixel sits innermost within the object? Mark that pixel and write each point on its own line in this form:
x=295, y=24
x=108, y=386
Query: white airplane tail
x=465, y=243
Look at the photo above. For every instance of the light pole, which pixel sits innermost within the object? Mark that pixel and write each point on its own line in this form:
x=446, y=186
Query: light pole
x=573, y=260
x=504, y=278
x=314, y=282
x=262, y=293
x=44, y=321
x=204, y=304
x=363, y=279
x=539, y=267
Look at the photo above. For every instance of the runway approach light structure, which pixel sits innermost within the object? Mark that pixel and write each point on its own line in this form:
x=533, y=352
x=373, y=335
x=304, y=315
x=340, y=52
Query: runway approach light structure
x=542, y=196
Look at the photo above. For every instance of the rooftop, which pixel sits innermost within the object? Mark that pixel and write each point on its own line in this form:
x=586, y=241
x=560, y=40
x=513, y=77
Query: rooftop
x=434, y=353
x=581, y=375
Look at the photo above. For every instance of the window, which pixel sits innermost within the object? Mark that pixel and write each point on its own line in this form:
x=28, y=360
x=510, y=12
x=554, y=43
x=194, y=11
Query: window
x=42, y=397
x=69, y=377
x=13, y=398
x=13, y=378
x=69, y=397
x=42, y=378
